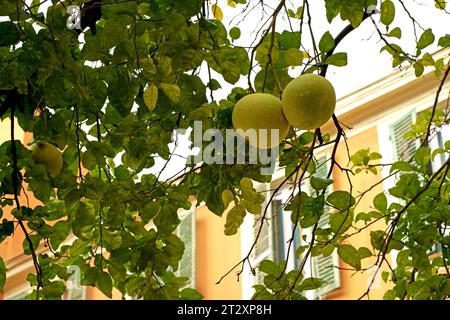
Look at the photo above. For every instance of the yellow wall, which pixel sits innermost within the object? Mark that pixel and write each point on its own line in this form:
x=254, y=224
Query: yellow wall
x=12, y=246
x=353, y=285
x=216, y=254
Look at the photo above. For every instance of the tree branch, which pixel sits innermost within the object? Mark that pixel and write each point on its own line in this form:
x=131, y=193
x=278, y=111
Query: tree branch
x=15, y=182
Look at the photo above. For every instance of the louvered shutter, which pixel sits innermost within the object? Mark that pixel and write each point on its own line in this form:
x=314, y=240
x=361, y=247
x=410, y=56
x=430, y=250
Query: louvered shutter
x=186, y=232
x=325, y=267
x=263, y=249
x=404, y=149
x=277, y=230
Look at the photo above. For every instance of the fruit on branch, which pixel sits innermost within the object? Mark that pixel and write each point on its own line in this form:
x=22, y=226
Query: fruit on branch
x=308, y=101
x=261, y=111
x=49, y=156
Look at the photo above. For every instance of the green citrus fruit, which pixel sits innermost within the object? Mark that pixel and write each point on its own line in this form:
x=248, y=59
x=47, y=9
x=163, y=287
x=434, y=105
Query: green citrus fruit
x=308, y=101
x=260, y=111
x=49, y=156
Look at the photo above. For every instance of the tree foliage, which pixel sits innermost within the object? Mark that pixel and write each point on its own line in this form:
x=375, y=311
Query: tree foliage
x=124, y=87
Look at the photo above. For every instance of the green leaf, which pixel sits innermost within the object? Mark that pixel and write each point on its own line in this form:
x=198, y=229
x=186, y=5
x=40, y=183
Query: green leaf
x=350, y=256
x=172, y=91
x=231, y=3
x=444, y=41
x=2, y=273
x=227, y=197
x=377, y=239
x=340, y=222
x=363, y=216
x=395, y=33
x=9, y=34
x=380, y=202
x=151, y=96
x=311, y=284
x=320, y=183
x=289, y=40
x=263, y=51
x=402, y=166
x=246, y=184
x=364, y=253
x=293, y=57
x=423, y=156
x=426, y=39
x=361, y=157
x=190, y=294
x=104, y=283
x=385, y=276
x=375, y=156
x=333, y=7
x=326, y=43
x=6, y=229
x=387, y=12
x=269, y=267
x=338, y=59
x=214, y=85
x=440, y=4
x=103, y=149
x=418, y=68
x=296, y=15
x=353, y=11
x=235, y=33
x=252, y=205
x=217, y=12
x=235, y=218
x=341, y=200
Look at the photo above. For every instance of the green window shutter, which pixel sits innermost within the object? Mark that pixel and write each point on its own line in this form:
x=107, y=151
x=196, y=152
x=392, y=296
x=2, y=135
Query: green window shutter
x=277, y=230
x=404, y=149
x=325, y=267
x=186, y=232
x=263, y=249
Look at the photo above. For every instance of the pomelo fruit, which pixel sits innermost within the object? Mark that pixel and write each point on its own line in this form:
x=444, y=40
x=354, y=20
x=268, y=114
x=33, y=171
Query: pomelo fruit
x=308, y=101
x=260, y=111
x=49, y=156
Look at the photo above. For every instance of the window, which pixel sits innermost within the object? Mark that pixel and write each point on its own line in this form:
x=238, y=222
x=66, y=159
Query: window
x=404, y=149
x=272, y=241
x=277, y=230
x=263, y=249
x=324, y=267
x=186, y=232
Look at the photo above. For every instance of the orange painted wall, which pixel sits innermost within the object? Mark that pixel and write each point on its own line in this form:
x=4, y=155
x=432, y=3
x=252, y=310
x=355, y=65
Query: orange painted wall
x=353, y=285
x=215, y=255
x=12, y=246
